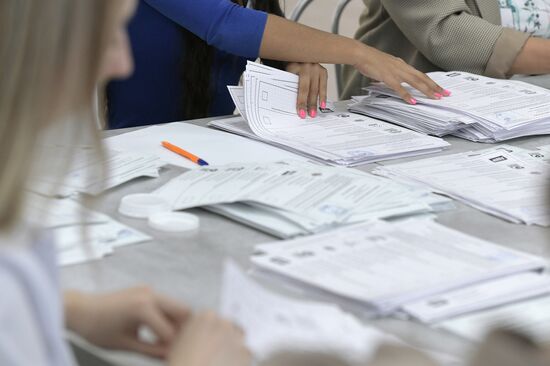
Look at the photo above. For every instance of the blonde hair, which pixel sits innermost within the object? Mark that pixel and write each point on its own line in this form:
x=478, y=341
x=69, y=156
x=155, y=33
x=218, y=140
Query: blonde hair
x=50, y=58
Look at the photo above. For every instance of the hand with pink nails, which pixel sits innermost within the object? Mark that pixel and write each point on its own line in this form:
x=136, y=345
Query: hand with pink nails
x=312, y=90
x=394, y=72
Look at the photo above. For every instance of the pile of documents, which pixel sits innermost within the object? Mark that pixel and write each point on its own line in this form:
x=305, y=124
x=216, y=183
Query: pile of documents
x=480, y=109
x=387, y=266
x=294, y=198
x=79, y=234
x=86, y=172
x=273, y=323
x=505, y=181
x=267, y=103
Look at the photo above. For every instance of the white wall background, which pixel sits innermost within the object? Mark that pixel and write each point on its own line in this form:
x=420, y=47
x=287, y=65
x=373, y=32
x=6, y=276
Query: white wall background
x=319, y=15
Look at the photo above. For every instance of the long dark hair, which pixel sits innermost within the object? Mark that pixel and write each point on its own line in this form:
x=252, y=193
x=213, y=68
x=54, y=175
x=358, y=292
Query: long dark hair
x=197, y=65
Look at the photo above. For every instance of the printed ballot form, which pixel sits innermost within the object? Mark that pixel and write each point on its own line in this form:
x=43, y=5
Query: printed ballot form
x=269, y=110
x=506, y=181
x=313, y=196
x=480, y=109
x=387, y=265
x=274, y=323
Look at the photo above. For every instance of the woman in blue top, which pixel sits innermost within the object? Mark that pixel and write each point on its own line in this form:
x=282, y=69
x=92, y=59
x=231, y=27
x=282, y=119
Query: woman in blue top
x=186, y=52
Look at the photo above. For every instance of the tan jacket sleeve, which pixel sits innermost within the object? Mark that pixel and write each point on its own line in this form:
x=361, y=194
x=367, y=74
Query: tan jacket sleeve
x=449, y=35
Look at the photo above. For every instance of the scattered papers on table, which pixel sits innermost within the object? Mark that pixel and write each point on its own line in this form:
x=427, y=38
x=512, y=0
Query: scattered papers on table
x=480, y=109
x=50, y=213
x=505, y=181
x=388, y=265
x=312, y=197
x=78, y=244
x=85, y=174
x=531, y=318
x=270, y=115
x=274, y=323
x=79, y=234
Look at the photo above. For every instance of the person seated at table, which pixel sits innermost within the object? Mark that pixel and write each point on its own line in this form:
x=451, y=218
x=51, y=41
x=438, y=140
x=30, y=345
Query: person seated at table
x=53, y=53
x=495, y=38
x=187, y=52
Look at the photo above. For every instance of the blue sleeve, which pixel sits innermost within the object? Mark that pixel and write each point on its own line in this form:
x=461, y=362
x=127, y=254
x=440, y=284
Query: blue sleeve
x=221, y=23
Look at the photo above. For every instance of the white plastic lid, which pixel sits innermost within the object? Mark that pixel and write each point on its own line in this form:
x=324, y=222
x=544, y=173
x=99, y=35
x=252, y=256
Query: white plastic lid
x=142, y=205
x=174, y=222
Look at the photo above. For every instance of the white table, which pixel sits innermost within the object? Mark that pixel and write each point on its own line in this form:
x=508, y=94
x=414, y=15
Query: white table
x=189, y=268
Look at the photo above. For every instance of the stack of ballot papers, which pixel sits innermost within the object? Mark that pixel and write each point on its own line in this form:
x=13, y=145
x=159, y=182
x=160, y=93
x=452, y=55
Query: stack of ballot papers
x=294, y=198
x=531, y=318
x=79, y=234
x=85, y=173
x=386, y=266
x=480, y=109
x=273, y=323
x=269, y=114
x=505, y=181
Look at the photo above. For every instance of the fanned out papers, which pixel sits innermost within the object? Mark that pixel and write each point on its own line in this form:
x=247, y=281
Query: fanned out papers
x=505, y=181
x=274, y=323
x=308, y=198
x=79, y=234
x=386, y=266
x=85, y=174
x=267, y=104
x=480, y=109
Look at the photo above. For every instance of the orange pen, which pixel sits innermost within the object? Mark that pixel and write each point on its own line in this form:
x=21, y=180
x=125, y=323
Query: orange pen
x=178, y=150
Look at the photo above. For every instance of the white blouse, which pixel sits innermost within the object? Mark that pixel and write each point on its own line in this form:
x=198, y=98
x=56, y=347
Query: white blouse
x=31, y=310
x=530, y=16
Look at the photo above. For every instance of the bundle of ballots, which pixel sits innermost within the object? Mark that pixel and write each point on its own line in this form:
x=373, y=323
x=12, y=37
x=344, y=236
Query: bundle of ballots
x=505, y=181
x=400, y=266
x=296, y=198
x=480, y=109
x=267, y=104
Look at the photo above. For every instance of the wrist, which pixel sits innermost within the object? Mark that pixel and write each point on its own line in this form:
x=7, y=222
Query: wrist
x=74, y=303
x=361, y=55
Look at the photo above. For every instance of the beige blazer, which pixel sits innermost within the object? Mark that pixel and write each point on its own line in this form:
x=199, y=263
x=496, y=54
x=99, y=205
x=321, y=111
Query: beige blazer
x=432, y=35
x=500, y=349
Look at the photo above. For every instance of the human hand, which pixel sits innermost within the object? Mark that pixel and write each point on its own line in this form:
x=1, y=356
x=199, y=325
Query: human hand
x=207, y=340
x=312, y=87
x=394, y=71
x=114, y=320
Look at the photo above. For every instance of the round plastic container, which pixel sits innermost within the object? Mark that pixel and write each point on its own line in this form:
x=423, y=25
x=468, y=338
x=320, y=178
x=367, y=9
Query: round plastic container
x=142, y=205
x=174, y=222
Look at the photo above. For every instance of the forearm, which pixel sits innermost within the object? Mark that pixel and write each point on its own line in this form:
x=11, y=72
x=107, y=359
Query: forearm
x=288, y=41
x=534, y=58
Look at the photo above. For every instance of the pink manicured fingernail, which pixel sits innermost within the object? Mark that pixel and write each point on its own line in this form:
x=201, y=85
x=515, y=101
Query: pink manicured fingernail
x=447, y=93
x=302, y=114
x=323, y=104
x=413, y=101
x=438, y=96
x=313, y=113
